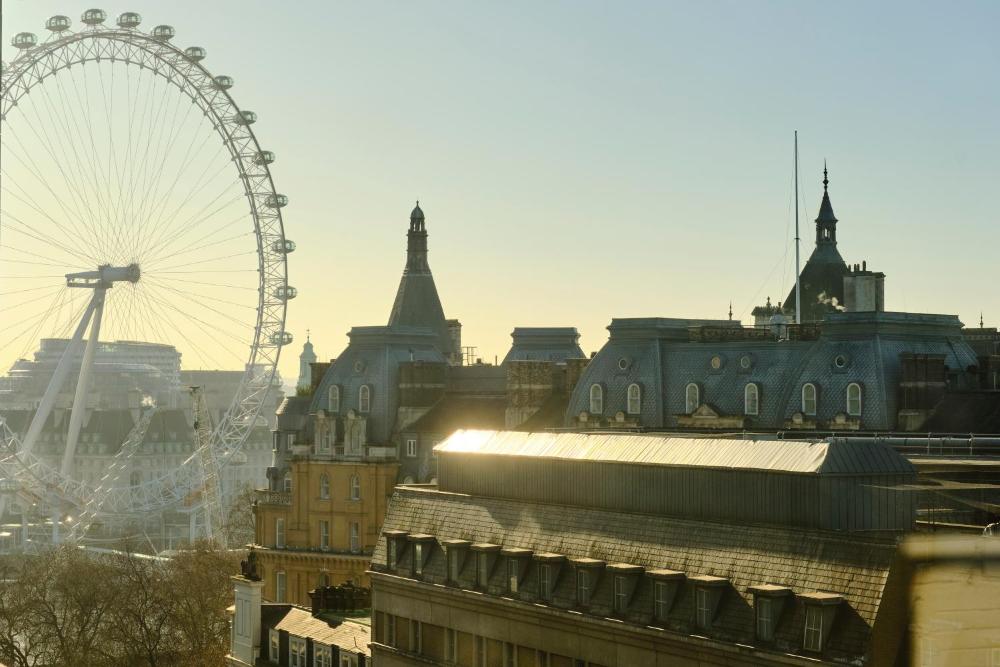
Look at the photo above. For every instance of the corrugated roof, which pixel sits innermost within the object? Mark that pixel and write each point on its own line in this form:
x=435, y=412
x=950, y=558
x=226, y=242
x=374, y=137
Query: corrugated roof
x=350, y=636
x=791, y=456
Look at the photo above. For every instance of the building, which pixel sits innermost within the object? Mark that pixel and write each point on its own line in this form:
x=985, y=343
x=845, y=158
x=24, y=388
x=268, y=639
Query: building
x=306, y=360
x=616, y=549
x=371, y=417
x=332, y=632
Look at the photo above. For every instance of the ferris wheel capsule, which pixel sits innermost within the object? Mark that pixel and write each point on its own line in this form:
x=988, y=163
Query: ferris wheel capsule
x=94, y=16
x=129, y=20
x=163, y=33
x=280, y=338
x=276, y=201
x=246, y=118
x=283, y=247
x=263, y=157
x=286, y=293
x=195, y=53
x=224, y=82
x=58, y=23
x=24, y=41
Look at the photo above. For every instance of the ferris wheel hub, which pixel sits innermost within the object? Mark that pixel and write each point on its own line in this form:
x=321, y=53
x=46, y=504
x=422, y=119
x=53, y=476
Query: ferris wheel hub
x=105, y=276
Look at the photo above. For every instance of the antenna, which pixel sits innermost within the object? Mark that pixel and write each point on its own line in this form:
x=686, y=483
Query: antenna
x=798, y=282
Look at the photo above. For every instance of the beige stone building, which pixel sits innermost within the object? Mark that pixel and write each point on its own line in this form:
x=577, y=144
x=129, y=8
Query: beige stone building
x=621, y=550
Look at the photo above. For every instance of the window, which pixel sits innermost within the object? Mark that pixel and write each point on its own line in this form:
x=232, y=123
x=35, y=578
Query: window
x=348, y=659
x=324, y=487
x=326, y=439
x=661, y=600
x=450, y=645
x=813, y=638
x=854, y=399
x=333, y=399
x=809, y=399
x=545, y=581
x=355, y=487
x=621, y=593
x=324, y=578
x=691, y=398
x=391, y=556
x=482, y=569
x=416, y=637
x=582, y=586
x=764, y=607
x=274, y=645
x=509, y=655
x=355, y=537
x=703, y=608
x=513, y=574
x=411, y=447
x=287, y=482
x=542, y=659
x=634, y=399
x=418, y=558
x=364, y=398
x=390, y=630
x=324, y=535
x=279, y=533
x=751, y=399
x=279, y=586
x=596, y=399
x=454, y=563
x=322, y=656
x=480, y=658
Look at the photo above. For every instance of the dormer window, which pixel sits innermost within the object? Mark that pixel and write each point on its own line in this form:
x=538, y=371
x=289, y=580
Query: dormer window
x=455, y=551
x=634, y=406
x=596, y=399
x=486, y=555
x=809, y=399
x=333, y=399
x=395, y=544
x=364, y=399
x=707, y=595
x=422, y=545
x=854, y=399
x=625, y=578
x=692, y=398
x=821, y=611
x=516, y=560
x=549, y=565
x=588, y=571
x=768, y=604
x=751, y=400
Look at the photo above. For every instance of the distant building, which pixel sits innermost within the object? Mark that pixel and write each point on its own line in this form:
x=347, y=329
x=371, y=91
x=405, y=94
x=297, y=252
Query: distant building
x=306, y=359
x=371, y=417
x=619, y=550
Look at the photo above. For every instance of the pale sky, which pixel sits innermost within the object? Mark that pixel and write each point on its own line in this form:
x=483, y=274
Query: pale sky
x=579, y=161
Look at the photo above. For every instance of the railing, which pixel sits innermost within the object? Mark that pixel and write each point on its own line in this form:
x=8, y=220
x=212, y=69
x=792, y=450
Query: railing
x=265, y=497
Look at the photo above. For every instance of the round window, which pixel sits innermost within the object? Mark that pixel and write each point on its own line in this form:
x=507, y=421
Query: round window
x=359, y=366
x=745, y=362
x=623, y=363
x=716, y=362
x=840, y=361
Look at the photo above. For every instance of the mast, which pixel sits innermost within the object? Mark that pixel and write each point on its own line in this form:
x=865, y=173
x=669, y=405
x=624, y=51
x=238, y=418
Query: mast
x=798, y=285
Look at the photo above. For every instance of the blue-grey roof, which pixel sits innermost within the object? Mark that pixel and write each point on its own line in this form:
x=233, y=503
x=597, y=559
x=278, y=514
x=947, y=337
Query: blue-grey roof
x=657, y=355
x=544, y=344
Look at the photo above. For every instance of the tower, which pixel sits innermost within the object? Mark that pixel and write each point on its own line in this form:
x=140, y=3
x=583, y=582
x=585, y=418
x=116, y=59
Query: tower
x=417, y=303
x=307, y=357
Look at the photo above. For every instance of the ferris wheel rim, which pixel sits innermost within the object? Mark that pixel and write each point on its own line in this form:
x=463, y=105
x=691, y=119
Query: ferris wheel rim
x=191, y=78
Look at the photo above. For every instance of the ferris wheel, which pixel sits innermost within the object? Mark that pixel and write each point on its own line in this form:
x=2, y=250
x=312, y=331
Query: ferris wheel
x=136, y=205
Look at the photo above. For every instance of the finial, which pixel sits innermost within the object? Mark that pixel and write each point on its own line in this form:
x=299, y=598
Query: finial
x=768, y=302
x=418, y=202
x=730, y=310
x=826, y=181
x=981, y=320
x=308, y=334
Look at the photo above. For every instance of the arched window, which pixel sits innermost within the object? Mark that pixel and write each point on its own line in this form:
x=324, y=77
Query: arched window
x=364, y=398
x=854, y=399
x=333, y=399
x=751, y=399
x=809, y=399
x=691, y=398
x=324, y=487
x=355, y=487
x=634, y=399
x=596, y=399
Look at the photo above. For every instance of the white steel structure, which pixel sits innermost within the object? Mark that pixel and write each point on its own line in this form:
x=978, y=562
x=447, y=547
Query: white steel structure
x=137, y=202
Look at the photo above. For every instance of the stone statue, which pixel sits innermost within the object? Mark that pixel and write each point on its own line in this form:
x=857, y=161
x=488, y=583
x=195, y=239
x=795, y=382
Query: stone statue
x=248, y=567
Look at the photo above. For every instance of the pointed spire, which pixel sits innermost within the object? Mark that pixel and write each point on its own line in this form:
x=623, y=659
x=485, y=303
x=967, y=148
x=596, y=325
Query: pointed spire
x=308, y=335
x=981, y=320
x=826, y=180
x=730, y=310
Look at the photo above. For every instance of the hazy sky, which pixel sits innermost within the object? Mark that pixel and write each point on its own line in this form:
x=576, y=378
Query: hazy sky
x=579, y=161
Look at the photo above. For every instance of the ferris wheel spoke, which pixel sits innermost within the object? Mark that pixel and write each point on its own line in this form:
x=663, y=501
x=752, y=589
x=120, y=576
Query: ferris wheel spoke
x=166, y=317
x=206, y=327
x=194, y=246
x=165, y=285
x=218, y=258
x=184, y=226
x=81, y=255
x=99, y=187
x=207, y=308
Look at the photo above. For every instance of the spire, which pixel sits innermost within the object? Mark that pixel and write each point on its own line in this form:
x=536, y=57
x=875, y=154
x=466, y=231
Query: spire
x=826, y=221
x=981, y=320
x=730, y=310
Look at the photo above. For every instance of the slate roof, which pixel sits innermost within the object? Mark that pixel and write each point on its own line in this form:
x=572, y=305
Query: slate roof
x=544, y=344
x=353, y=637
x=456, y=411
x=854, y=566
x=830, y=457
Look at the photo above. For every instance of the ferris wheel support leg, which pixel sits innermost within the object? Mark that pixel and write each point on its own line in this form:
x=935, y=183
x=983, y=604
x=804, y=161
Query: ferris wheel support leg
x=56, y=383
x=83, y=384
